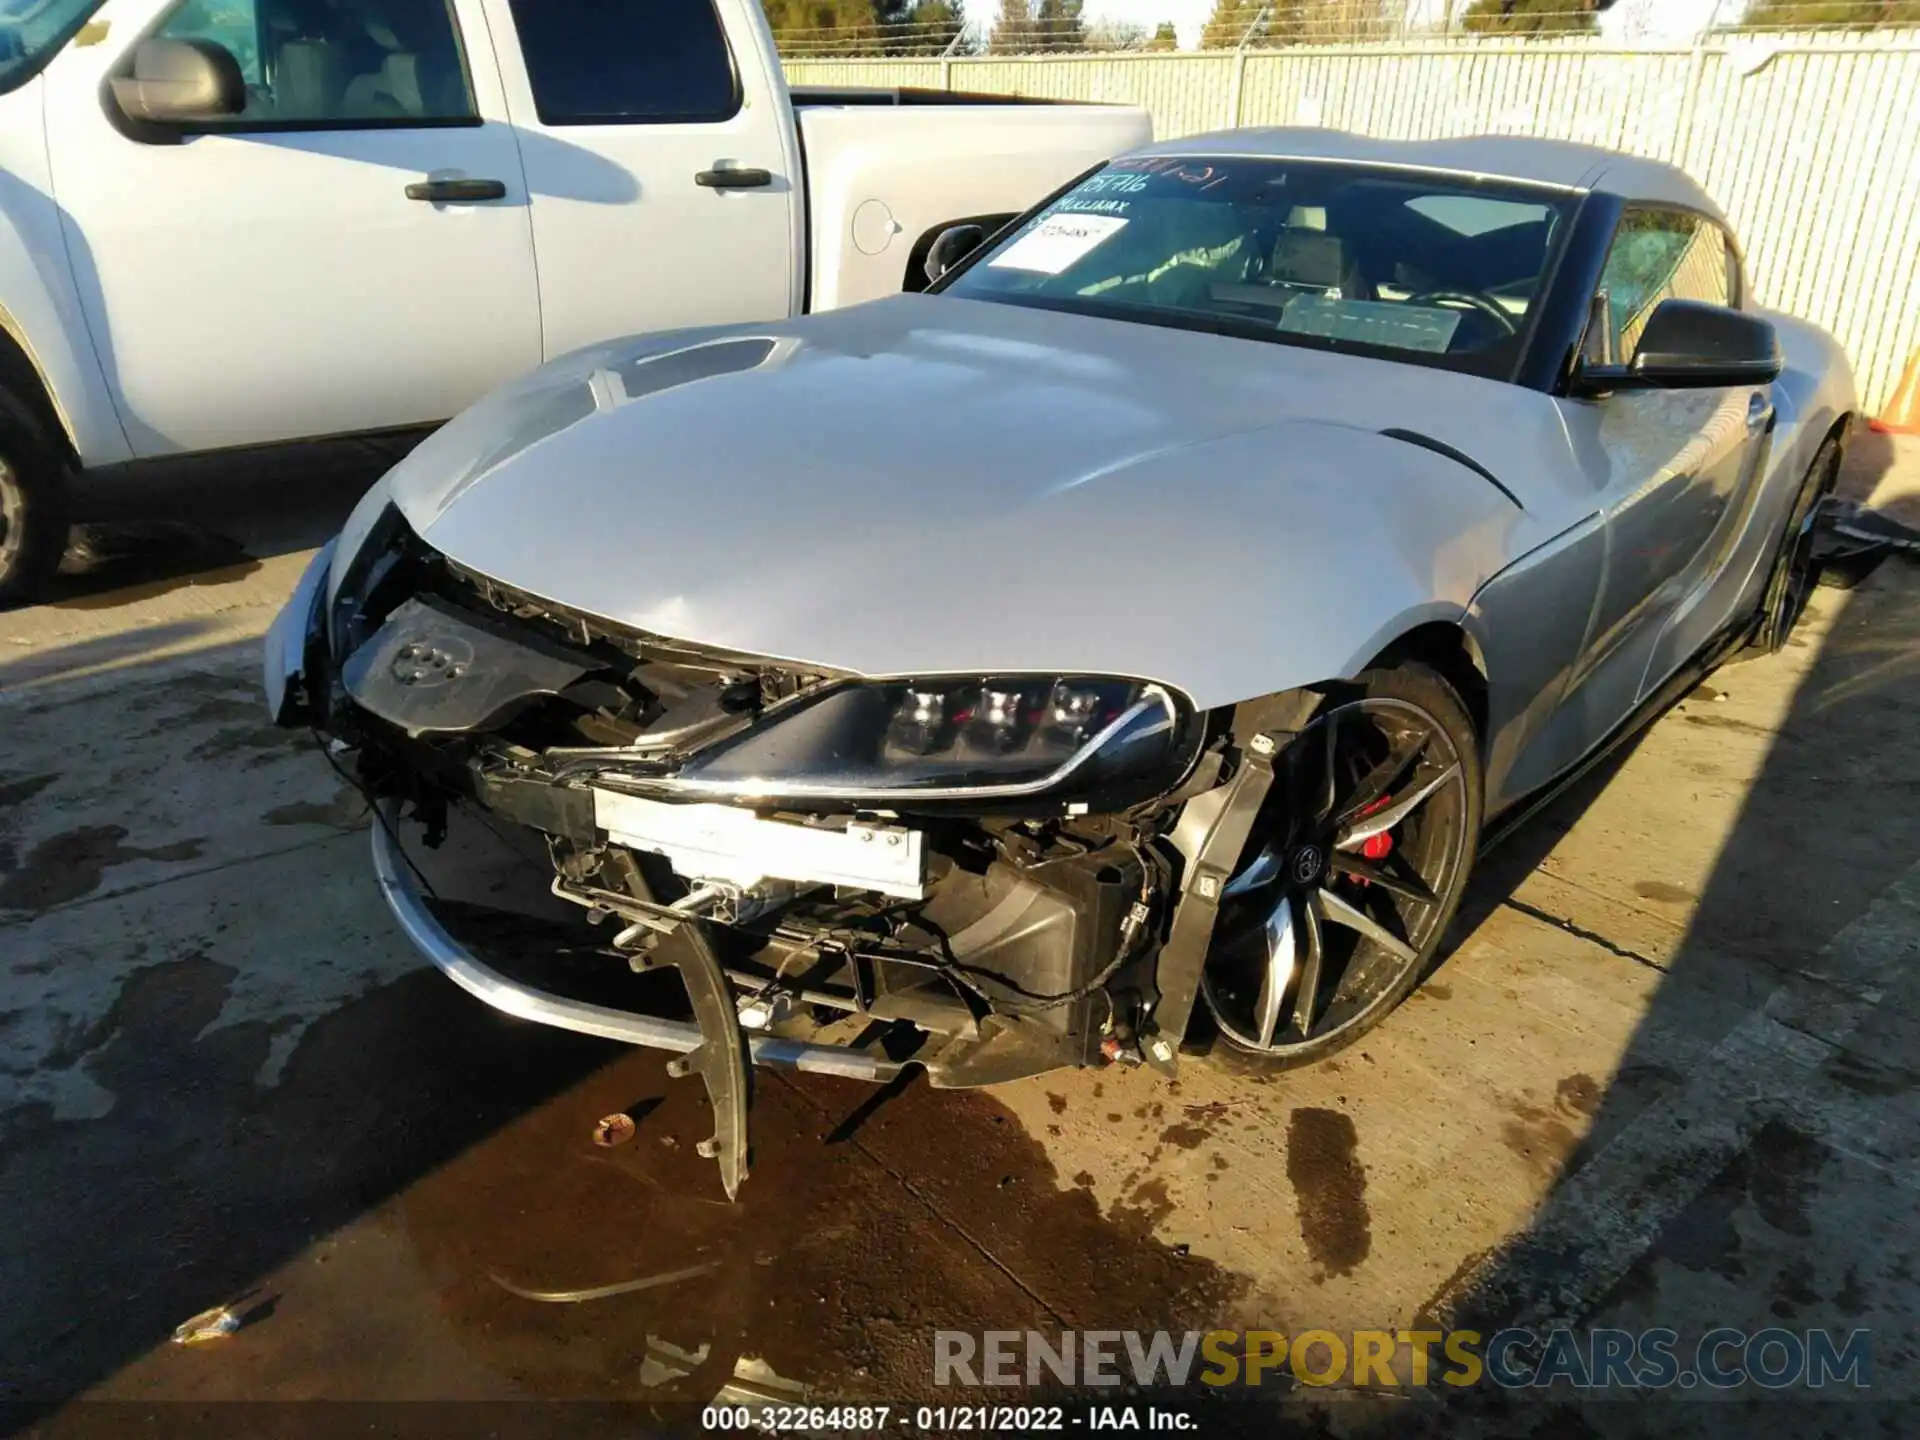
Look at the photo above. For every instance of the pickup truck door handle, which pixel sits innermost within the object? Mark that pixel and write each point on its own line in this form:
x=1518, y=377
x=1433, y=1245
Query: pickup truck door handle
x=442, y=192
x=734, y=179
x=1759, y=412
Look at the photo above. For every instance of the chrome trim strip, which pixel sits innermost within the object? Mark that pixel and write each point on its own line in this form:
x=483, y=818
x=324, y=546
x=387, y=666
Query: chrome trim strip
x=762, y=787
x=526, y=1003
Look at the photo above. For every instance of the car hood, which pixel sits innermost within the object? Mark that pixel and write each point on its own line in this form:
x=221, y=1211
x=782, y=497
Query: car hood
x=927, y=485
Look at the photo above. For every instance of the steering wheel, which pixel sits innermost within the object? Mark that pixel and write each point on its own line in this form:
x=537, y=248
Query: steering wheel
x=1473, y=300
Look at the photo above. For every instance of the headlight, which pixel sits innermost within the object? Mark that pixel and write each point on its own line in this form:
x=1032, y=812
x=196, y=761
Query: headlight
x=950, y=739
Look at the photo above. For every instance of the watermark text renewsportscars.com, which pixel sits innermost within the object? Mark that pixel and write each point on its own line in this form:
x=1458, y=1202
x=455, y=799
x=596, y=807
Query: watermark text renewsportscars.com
x=1513, y=1359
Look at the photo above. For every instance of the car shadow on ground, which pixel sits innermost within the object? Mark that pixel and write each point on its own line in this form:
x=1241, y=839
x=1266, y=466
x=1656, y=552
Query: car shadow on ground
x=1749, y=1165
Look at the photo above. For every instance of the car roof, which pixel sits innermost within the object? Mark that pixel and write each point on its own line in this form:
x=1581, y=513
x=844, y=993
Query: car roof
x=1559, y=163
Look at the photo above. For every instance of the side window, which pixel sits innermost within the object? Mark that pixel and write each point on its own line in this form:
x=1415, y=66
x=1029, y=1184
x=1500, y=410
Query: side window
x=314, y=63
x=1662, y=255
x=626, y=62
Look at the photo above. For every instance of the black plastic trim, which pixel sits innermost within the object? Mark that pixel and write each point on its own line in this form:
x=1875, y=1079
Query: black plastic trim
x=1440, y=447
x=1548, y=361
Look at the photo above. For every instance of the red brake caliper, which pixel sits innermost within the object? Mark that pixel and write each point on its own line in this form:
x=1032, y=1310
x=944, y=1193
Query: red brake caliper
x=1375, y=847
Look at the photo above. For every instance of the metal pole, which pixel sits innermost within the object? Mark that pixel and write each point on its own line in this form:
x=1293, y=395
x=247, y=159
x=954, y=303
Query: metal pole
x=1240, y=67
x=946, y=59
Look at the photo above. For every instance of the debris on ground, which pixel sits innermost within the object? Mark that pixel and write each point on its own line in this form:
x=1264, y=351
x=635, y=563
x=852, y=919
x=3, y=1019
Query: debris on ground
x=754, y=1382
x=215, y=1324
x=664, y=1361
x=614, y=1129
x=1853, y=539
x=602, y=1292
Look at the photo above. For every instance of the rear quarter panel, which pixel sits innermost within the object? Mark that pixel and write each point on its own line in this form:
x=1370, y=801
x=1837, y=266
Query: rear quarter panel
x=880, y=177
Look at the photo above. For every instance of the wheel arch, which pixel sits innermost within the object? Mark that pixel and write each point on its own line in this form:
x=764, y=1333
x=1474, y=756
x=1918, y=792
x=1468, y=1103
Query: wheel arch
x=22, y=379
x=1450, y=650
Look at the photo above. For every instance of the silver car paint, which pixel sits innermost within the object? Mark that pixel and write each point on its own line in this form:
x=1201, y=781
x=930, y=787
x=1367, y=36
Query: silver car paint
x=929, y=485
x=993, y=488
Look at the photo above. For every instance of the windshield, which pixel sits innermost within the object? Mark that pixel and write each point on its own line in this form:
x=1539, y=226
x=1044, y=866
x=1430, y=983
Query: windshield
x=32, y=30
x=1435, y=271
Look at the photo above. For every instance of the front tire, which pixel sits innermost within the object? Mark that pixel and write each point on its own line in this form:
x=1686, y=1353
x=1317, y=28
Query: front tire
x=33, y=508
x=1353, y=872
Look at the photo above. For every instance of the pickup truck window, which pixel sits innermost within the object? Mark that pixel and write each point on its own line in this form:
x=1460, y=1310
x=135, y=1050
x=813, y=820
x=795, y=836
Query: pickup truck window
x=32, y=32
x=626, y=62
x=355, y=64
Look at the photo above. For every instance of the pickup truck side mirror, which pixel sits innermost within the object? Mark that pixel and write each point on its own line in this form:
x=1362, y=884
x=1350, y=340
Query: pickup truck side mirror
x=1691, y=345
x=178, y=82
x=950, y=247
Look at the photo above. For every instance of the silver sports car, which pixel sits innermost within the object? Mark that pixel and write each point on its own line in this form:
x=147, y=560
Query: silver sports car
x=1124, y=645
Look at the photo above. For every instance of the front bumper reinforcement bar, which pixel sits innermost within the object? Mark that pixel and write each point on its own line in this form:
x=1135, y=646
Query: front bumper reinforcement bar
x=523, y=1001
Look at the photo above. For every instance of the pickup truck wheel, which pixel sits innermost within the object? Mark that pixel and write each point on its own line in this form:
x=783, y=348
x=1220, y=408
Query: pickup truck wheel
x=33, y=509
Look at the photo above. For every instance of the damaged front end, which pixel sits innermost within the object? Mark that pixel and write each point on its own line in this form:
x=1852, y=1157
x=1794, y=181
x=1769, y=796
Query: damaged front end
x=985, y=876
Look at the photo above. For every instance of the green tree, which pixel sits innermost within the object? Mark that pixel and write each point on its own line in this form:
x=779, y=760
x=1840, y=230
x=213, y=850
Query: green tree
x=822, y=27
x=1294, y=22
x=1060, y=25
x=932, y=25
x=1534, y=17
x=1109, y=34
x=1014, y=32
x=1164, y=37
x=1865, y=14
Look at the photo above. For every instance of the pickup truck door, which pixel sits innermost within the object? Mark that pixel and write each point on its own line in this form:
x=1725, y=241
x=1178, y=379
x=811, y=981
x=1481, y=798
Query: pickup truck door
x=1673, y=469
x=299, y=269
x=659, y=145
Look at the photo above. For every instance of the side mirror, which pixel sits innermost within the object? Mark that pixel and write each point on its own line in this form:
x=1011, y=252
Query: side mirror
x=179, y=82
x=950, y=247
x=1691, y=345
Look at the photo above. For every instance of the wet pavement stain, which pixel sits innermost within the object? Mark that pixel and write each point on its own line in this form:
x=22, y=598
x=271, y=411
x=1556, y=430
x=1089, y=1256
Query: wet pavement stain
x=199, y=1181
x=460, y=1142
x=1330, y=1189
x=1728, y=722
x=17, y=792
x=1793, y=1289
x=346, y=811
x=836, y=1266
x=1663, y=892
x=1578, y=1094
x=1541, y=1137
x=69, y=866
x=1776, y=1172
x=261, y=739
x=1193, y=1131
x=1851, y=1298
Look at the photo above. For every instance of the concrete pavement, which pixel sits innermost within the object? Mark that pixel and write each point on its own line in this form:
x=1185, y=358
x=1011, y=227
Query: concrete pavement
x=1665, y=1078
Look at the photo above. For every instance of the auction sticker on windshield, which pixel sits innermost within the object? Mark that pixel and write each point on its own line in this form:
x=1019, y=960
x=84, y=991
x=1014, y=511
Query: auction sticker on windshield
x=1058, y=241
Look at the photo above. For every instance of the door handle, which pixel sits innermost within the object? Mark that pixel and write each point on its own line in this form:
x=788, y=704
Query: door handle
x=733, y=179
x=444, y=192
x=1759, y=411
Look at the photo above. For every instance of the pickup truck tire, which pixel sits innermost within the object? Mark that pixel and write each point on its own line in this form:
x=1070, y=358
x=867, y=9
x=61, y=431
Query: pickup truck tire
x=33, y=505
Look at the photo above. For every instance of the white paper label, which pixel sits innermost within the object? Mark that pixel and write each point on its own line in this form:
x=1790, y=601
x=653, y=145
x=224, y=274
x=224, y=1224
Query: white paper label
x=1058, y=241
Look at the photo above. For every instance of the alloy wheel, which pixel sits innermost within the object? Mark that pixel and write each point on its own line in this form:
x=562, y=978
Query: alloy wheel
x=1350, y=875
x=13, y=516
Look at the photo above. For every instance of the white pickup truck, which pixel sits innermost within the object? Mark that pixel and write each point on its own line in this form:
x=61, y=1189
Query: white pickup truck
x=230, y=223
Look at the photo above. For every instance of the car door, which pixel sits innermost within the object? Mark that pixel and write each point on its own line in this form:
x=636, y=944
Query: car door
x=281, y=273
x=1671, y=466
x=659, y=144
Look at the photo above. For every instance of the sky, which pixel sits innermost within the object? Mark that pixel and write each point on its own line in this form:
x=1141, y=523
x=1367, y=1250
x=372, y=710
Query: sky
x=1629, y=20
